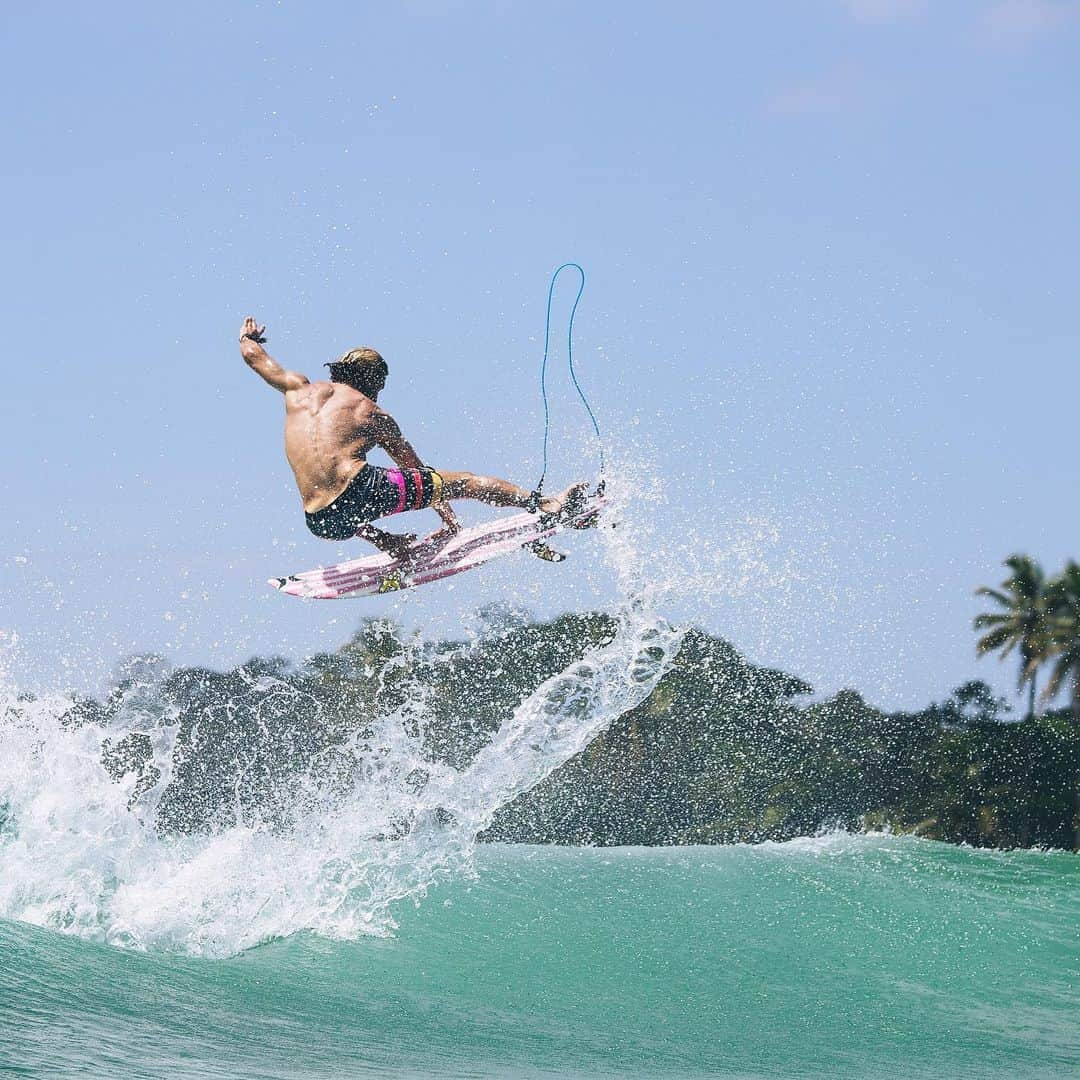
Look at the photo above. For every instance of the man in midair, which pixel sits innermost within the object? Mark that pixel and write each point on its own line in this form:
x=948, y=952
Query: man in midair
x=331, y=427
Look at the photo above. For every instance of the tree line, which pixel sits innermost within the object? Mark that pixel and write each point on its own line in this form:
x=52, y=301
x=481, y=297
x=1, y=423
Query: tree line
x=721, y=751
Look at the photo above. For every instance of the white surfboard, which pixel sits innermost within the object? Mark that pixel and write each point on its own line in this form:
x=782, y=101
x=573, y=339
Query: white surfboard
x=426, y=561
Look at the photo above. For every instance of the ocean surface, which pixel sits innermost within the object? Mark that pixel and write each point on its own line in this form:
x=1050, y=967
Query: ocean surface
x=837, y=956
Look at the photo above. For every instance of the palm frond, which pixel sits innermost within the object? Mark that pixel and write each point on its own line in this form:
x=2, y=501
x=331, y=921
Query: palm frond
x=1003, y=636
x=1028, y=578
x=1053, y=684
x=1027, y=672
x=991, y=619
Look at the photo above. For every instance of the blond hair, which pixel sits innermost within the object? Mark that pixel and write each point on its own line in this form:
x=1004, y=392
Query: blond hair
x=364, y=369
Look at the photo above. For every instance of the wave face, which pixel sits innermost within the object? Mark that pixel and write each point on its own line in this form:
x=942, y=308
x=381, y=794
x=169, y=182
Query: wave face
x=331, y=846
x=841, y=956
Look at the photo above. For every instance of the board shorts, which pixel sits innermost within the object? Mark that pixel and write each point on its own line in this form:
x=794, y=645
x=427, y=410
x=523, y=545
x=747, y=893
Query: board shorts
x=375, y=493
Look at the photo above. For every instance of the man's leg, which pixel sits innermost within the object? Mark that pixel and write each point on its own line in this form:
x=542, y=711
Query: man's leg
x=489, y=489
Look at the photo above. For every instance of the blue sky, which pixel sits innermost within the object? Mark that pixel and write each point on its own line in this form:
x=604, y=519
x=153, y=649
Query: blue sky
x=830, y=315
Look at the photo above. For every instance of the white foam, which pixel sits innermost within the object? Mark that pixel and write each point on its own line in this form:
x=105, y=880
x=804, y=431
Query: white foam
x=81, y=851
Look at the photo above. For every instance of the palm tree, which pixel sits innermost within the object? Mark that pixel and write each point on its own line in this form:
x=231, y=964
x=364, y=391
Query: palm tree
x=1022, y=622
x=1063, y=603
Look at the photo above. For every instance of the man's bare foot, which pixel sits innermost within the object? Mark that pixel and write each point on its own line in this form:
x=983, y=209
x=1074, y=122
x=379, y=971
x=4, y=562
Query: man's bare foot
x=396, y=545
x=566, y=502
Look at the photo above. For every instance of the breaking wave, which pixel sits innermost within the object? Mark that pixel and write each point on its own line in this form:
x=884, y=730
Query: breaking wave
x=123, y=825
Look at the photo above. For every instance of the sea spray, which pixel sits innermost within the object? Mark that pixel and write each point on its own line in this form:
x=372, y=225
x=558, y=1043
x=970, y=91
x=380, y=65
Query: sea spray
x=367, y=821
x=208, y=813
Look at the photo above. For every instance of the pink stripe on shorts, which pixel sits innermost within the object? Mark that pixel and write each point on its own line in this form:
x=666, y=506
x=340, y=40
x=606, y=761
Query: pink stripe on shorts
x=398, y=479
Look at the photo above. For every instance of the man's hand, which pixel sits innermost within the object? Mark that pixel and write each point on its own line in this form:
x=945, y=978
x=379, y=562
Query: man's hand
x=252, y=331
x=252, y=337
x=396, y=545
x=440, y=536
x=451, y=525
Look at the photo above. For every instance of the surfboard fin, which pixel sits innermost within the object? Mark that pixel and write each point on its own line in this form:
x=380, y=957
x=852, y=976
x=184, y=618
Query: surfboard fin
x=392, y=582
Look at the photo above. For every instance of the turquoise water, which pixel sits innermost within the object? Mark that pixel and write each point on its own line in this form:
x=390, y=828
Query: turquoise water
x=842, y=956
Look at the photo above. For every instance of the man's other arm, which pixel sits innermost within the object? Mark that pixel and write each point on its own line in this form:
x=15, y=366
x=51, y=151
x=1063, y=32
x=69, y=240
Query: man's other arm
x=262, y=363
x=388, y=436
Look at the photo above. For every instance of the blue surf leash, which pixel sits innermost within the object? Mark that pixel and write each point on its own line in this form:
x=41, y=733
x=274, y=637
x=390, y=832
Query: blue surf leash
x=537, y=491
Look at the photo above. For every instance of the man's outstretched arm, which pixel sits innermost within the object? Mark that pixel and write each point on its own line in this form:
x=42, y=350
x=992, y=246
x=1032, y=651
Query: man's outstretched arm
x=261, y=362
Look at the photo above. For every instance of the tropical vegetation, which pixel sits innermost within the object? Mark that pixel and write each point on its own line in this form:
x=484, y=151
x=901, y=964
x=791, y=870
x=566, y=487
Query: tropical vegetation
x=721, y=751
x=1039, y=618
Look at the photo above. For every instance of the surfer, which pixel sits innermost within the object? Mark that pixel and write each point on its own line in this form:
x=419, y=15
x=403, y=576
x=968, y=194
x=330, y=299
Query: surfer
x=331, y=427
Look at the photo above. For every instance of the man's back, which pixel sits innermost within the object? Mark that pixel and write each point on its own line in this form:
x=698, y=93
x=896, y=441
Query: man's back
x=328, y=435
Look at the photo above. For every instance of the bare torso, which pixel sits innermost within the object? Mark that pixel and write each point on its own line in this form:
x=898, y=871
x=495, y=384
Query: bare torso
x=328, y=435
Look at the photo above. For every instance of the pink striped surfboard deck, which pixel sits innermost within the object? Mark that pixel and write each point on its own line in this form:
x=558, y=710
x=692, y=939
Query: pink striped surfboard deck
x=425, y=563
